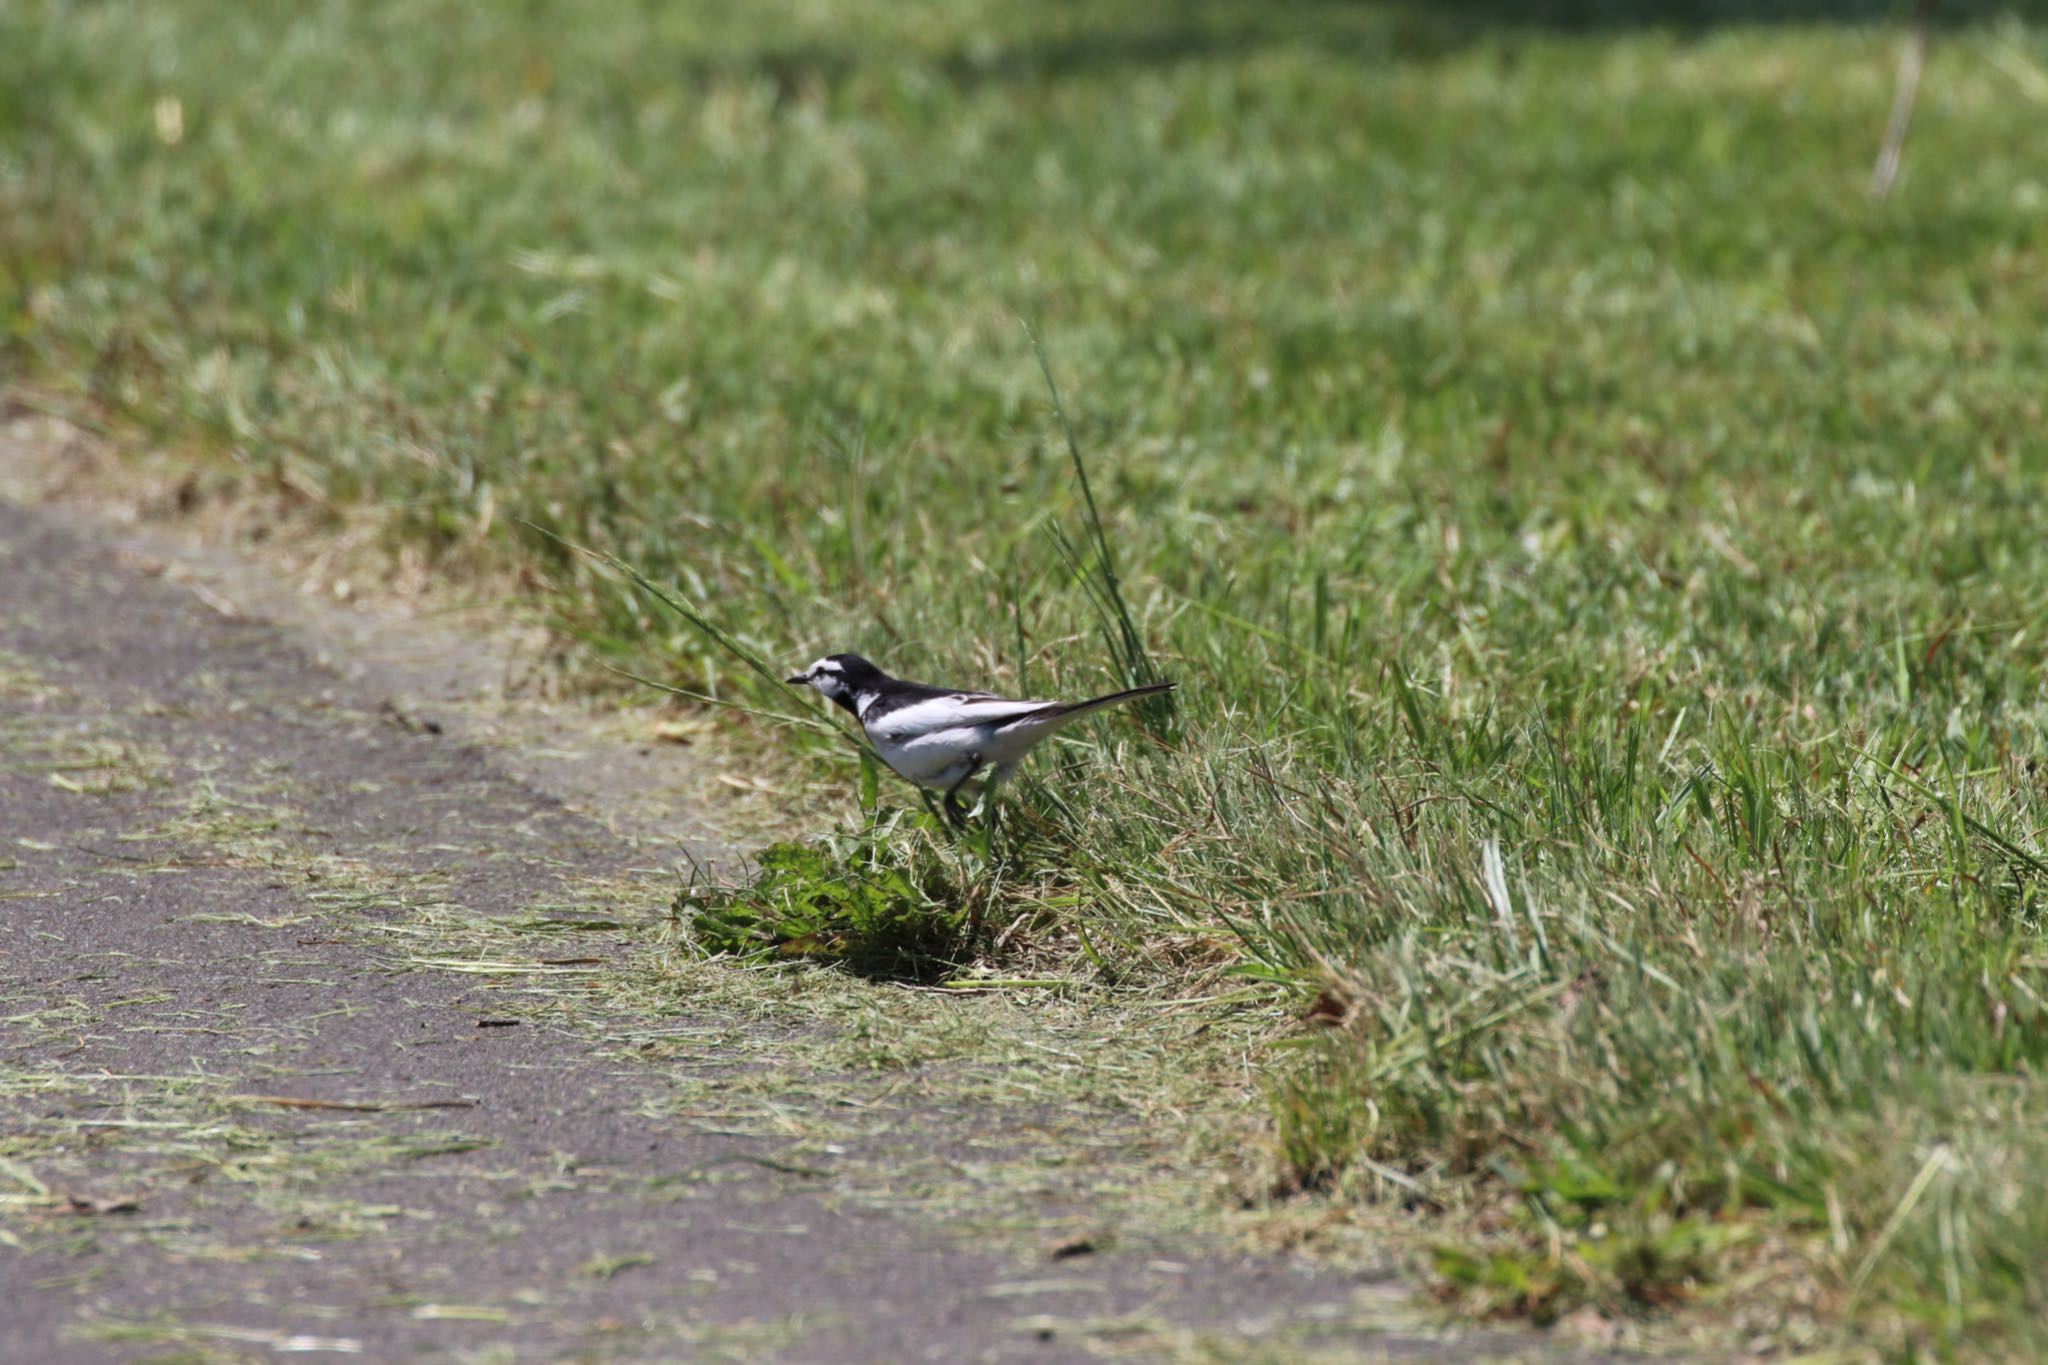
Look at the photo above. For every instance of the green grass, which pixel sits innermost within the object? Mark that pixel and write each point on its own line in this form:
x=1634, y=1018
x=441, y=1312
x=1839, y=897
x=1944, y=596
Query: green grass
x=1600, y=550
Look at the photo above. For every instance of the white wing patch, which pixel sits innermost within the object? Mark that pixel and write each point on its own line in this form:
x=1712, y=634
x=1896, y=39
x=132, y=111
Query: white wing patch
x=962, y=710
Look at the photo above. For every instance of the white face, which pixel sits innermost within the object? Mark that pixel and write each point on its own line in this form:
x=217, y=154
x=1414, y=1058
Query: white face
x=826, y=677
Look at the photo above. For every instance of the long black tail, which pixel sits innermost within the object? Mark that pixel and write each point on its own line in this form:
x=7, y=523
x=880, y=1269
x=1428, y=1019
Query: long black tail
x=1064, y=711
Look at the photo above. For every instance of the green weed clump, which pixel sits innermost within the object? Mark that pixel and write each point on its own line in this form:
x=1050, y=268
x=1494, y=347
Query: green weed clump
x=1599, y=548
x=891, y=898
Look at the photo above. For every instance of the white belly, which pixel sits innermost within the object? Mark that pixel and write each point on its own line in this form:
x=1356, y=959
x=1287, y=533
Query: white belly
x=939, y=760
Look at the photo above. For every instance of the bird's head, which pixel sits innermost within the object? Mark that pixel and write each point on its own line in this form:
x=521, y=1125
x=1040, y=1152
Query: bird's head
x=840, y=677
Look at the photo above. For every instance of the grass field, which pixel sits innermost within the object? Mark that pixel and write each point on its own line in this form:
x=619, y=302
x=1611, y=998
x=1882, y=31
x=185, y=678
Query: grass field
x=1601, y=550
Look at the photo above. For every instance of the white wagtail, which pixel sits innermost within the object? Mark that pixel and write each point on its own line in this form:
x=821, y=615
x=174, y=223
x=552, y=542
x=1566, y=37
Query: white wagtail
x=939, y=737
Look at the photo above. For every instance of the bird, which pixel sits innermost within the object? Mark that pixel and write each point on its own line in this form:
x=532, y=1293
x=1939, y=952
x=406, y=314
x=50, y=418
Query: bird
x=940, y=737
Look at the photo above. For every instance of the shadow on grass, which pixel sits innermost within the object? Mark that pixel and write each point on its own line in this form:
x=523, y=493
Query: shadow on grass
x=1693, y=14
x=1072, y=38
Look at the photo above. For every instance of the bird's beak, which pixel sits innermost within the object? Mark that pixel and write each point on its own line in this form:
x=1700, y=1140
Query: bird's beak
x=799, y=678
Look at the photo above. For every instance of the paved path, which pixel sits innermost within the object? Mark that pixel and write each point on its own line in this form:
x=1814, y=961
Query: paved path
x=230, y=880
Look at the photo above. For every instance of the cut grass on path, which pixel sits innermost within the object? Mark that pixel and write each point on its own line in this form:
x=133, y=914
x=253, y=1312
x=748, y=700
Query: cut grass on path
x=1599, y=549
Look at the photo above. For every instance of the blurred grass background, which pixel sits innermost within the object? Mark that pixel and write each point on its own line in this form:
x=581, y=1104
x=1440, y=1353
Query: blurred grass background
x=1601, y=549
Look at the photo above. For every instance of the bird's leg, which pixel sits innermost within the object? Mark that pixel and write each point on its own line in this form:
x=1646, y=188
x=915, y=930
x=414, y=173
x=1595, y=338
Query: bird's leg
x=953, y=806
x=1000, y=775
